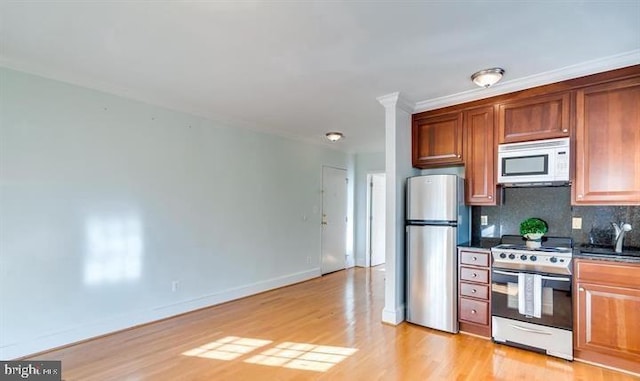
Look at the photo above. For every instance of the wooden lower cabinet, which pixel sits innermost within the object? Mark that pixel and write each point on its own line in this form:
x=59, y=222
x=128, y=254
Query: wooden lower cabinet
x=607, y=313
x=474, y=295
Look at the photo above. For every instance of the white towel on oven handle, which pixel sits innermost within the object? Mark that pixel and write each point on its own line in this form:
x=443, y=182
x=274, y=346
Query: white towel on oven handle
x=530, y=294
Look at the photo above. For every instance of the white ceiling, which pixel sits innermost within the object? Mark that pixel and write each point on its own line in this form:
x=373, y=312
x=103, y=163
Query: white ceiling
x=304, y=68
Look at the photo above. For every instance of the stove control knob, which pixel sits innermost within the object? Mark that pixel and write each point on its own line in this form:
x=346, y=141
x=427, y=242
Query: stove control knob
x=503, y=255
x=553, y=259
x=511, y=256
x=523, y=257
x=533, y=258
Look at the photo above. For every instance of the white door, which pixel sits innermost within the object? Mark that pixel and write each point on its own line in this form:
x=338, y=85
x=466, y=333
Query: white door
x=376, y=218
x=334, y=219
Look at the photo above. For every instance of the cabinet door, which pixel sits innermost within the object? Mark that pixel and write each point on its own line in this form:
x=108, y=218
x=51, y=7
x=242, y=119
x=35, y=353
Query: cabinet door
x=480, y=162
x=541, y=117
x=437, y=140
x=608, y=144
x=609, y=324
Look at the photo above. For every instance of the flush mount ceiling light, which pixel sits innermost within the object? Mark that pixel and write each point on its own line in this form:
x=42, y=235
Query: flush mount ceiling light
x=488, y=77
x=334, y=136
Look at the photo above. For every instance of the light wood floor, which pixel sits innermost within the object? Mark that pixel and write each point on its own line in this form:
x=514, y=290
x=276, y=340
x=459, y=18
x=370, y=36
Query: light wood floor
x=324, y=329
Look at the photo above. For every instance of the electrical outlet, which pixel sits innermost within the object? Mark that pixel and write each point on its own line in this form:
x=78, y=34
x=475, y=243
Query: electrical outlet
x=484, y=221
x=174, y=285
x=576, y=223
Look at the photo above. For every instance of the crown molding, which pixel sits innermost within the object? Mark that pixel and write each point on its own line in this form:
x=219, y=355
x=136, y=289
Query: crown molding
x=568, y=72
x=396, y=100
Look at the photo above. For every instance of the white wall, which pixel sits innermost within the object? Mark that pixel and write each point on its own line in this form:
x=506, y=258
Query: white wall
x=104, y=202
x=365, y=163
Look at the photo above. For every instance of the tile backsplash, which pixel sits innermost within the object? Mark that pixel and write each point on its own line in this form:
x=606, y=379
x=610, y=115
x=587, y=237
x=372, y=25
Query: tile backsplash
x=553, y=204
x=597, y=228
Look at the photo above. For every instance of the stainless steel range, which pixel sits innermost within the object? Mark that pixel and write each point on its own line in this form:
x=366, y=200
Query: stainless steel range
x=531, y=304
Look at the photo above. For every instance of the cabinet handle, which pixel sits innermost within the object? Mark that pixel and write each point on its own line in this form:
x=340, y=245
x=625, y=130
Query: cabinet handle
x=565, y=130
x=458, y=155
x=475, y=275
x=475, y=258
x=579, y=196
x=473, y=291
x=473, y=312
x=581, y=289
x=490, y=197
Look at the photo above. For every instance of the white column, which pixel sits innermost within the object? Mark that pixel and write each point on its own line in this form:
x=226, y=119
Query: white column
x=398, y=168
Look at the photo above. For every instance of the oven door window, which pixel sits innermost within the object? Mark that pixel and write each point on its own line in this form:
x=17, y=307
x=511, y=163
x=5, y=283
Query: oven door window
x=525, y=165
x=555, y=299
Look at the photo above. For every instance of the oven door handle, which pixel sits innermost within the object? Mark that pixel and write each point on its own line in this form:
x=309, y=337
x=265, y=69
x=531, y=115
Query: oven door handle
x=530, y=330
x=542, y=277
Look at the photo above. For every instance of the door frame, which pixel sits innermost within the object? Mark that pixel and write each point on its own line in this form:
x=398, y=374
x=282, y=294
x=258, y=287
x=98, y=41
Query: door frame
x=322, y=218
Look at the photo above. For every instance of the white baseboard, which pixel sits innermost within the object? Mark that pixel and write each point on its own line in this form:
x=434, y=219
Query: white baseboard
x=393, y=317
x=106, y=326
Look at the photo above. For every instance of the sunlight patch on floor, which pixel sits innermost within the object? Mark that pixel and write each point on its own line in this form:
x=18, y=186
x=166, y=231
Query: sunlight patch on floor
x=319, y=358
x=303, y=356
x=228, y=348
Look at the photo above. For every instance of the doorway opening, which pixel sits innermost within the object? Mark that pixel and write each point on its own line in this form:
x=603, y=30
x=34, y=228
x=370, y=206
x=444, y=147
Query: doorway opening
x=376, y=211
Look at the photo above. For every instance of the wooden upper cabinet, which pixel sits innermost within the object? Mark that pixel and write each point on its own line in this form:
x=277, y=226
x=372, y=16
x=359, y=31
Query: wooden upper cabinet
x=480, y=161
x=437, y=140
x=535, y=118
x=608, y=144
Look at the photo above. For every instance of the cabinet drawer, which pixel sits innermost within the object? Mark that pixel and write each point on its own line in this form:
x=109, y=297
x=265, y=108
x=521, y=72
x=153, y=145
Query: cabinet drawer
x=474, y=290
x=608, y=273
x=474, y=311
x=474, y=258
x=474, y=275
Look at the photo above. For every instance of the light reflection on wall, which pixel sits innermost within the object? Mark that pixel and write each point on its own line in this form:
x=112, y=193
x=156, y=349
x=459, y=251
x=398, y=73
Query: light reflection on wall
x=114, y=250
x=489, y=231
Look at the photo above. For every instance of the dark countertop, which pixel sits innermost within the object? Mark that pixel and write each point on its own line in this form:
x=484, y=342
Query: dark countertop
x=602, y=253
x=594, y=252
x=482, y=243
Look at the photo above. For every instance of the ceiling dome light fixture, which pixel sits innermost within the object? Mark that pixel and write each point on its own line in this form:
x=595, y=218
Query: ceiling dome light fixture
x=488, y=77
x=334, y=136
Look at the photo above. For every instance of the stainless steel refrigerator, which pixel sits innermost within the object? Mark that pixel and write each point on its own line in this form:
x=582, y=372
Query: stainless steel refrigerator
x=437, y=221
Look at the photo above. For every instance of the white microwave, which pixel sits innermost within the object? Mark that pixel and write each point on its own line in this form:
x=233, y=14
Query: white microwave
x=535, y=163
